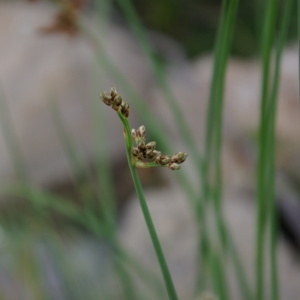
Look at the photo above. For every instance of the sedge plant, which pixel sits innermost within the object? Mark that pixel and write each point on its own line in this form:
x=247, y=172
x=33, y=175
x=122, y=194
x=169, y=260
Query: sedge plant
x=144, y=155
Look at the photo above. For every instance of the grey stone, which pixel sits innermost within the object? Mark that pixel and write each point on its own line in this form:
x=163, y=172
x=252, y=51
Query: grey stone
x=177, y=231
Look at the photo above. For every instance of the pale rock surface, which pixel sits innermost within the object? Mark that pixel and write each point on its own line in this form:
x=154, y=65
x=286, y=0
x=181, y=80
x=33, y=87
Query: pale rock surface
x=176, y=228
x=190, y=84
x=36, y=68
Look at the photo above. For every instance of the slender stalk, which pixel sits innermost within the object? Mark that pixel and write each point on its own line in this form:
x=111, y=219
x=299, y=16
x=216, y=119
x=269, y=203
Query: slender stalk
x=207, y=155
x=154, y=238
x=213, y=144
x=218, y=273
x=271, y=149
x=263, y=194
x=139, y=190
x=204, y=237
x=217, y=99
x=150, y=279
x=129, y=292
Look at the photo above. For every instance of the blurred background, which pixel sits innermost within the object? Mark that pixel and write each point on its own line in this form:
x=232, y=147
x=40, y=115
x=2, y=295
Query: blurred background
x=70, y=223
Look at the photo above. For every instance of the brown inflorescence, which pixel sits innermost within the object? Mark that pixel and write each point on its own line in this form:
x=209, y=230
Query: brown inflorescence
x=144, y=155
x=147, y=151
x=116, y=101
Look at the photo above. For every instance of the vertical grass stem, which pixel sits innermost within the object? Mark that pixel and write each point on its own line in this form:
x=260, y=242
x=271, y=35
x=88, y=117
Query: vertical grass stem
x=139, y=190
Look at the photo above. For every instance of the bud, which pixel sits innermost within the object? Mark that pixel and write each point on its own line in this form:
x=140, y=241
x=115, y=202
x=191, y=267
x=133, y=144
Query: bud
x=179, y=157
x=140, y=138
x=141, y=144
x=106, y=98
x=156, y=153
x=158, y=158
x=174, y=166
x=117, y=100
x=151, y=145
x=149, y=154
x=141, y=131
x=125, y=109
x=163, y=159
x=135, y=151
x=113, y=92
x=133, y=133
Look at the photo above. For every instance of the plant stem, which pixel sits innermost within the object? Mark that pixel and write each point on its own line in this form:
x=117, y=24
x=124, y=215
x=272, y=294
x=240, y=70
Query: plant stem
x=271, y=121
x=212, y=179
x=263, y=194
x=152, y=232
x=139, y=190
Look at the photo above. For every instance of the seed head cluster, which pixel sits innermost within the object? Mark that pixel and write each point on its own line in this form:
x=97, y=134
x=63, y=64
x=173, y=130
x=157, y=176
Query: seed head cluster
x=114, y=99
x=144, y=153
x=148, y=152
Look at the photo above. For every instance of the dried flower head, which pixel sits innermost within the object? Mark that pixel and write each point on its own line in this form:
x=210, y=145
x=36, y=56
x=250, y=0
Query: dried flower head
x=139, y=136
x=141, y=132
x=151, y=146
x=125, y=109
x=173, y=166
x=144, y=155
x=116, y=101
x=147, y=152
x=163, y=159
x=179, y=157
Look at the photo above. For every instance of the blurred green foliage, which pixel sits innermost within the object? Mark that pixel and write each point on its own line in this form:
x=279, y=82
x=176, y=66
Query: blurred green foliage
x=194, y=23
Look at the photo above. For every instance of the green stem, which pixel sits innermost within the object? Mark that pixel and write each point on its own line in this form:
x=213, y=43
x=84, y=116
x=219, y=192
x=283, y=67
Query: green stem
x=139, y=190
x=263, y=194
x=154, y=238
x=271, y=121
x=212, y=186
